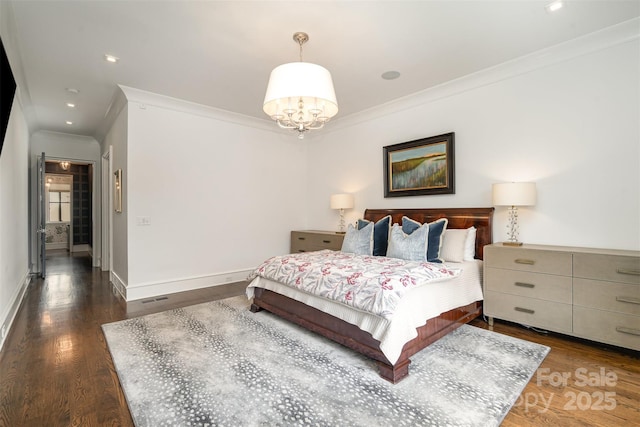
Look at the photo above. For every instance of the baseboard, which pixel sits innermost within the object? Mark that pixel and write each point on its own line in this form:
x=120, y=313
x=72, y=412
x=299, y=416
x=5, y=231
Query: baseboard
x=81, y=248
x=118, y=285
x=59, y=245
x=148, y=290
x=16, y=300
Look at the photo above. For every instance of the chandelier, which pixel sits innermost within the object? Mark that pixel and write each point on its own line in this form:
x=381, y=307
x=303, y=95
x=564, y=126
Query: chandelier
x=300, y=95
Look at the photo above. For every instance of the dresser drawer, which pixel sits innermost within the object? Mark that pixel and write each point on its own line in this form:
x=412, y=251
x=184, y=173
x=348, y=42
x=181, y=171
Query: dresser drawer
x=307, y=241
x=533, y=260
x=533, y=285
x=554, y=316
x=613, y=268
x=618, y=297
x=612, y=328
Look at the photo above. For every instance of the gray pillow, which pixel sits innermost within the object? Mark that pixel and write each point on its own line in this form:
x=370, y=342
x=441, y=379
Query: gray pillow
x=412, y=247
x=359, y=242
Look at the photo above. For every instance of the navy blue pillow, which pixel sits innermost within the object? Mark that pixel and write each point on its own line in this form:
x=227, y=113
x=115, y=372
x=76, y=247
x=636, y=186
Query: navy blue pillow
x=380, y=234
x=436, y=234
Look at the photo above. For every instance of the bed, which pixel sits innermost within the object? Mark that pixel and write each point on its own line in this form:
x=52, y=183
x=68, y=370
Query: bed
x=292, y=308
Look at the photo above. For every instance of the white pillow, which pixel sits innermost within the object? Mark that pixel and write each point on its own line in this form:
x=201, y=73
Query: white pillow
x=359, y=242
x=470, y=245
x=459, y=245
x=412, y=247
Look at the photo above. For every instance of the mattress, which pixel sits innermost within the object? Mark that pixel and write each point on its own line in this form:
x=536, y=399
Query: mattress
x=416, y=307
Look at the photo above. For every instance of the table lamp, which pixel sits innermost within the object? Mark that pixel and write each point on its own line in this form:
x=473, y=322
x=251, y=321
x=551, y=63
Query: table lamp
x=514, y=194
x=342, y=202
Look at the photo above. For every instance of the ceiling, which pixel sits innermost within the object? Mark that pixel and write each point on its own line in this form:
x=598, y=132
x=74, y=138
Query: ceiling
x=220, y=53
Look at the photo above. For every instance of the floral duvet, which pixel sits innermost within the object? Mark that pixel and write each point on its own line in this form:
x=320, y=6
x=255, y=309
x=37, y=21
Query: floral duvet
x=370, y=283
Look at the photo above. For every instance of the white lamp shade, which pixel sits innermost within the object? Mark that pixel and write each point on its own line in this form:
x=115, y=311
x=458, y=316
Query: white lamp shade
x=342, y=201
x=291, y=82
x=514, y=194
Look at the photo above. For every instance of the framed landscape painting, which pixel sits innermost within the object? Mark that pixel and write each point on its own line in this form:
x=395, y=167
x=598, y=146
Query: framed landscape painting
x=421, y=167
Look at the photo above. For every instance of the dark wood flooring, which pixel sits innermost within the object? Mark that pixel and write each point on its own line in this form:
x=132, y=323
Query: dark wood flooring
x=56, y=370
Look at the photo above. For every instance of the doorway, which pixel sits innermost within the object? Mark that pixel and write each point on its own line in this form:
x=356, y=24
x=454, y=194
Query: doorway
x=58, y=206
x=71, y=187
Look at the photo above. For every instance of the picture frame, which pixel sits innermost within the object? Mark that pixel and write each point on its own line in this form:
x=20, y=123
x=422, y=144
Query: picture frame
x=117, y=191
x=420, y=167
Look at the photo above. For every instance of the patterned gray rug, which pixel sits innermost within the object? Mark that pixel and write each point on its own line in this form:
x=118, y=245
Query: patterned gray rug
x=218, y=364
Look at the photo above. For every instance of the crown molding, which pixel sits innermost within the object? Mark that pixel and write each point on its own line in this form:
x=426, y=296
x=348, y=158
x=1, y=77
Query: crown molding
x=145, y=98
x=624, y=32
x=608, y=37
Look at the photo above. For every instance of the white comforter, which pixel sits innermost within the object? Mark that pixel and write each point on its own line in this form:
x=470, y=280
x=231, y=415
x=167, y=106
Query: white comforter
x=370, y=283
x=415, y=307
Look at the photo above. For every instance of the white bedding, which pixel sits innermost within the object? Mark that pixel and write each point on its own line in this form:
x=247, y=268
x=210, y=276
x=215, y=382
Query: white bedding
x=417, y=306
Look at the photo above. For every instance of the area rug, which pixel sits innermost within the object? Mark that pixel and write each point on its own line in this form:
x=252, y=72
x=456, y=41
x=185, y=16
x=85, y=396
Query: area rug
x=218, y=364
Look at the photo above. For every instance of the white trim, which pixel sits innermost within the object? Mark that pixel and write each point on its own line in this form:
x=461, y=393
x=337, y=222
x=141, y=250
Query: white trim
x=143, y=99
x=616, y=34
x=107, y=198
x=16, y=301
x=611, y=36
x=57, y=245
x=81, y=248
x=118, y=284
x=152, y=289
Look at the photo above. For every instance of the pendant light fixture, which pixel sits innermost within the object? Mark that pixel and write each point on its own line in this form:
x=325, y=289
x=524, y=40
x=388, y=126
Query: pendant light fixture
x=300, y=95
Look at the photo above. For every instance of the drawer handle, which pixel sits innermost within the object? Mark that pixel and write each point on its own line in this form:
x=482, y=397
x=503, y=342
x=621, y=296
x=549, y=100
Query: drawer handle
x=524, y=310
x=525, y=285
x=629, y=331
x=302, y=238
x=631, y=300
x=326, y=241
x=630, y=271
x=524, y=261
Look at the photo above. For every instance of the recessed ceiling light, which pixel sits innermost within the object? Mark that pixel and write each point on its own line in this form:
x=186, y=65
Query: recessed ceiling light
x=71, y=105
x=390, y=75
x=553, y=6
x=72, y=90
x=110, y=58
x=69, y=122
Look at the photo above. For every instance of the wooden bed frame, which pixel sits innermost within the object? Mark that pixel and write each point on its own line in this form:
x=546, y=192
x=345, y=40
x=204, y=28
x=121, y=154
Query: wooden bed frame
x=353, y=337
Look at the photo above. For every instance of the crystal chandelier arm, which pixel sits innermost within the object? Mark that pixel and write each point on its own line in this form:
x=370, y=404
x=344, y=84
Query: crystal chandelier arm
x=286, y=125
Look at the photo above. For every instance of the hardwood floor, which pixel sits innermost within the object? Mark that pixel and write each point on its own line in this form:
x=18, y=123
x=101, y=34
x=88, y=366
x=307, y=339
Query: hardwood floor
x=56, y=370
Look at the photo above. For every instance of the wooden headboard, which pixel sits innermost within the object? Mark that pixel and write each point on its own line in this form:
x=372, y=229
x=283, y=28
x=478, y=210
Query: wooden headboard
x=480, y=218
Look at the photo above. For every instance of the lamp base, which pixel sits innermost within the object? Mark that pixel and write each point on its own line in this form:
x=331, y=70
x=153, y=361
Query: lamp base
x=511, y=243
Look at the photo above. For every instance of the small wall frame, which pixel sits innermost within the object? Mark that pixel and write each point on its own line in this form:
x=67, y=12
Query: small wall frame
x=117, y=191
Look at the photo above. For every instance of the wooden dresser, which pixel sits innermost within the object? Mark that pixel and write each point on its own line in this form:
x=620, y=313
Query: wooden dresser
x=584, y=292
x=313, y=240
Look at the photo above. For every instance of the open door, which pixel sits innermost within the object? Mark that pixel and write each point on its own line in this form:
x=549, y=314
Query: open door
x=42, y=217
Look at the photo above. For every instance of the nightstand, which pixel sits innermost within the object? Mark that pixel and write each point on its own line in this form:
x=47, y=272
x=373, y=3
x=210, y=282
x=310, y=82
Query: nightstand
x=313, y=240
x=584, y=292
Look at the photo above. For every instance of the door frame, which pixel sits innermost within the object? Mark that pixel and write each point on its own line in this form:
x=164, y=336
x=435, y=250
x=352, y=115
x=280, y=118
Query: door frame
x=107, y=210
x=41, y=215
x=96, y=174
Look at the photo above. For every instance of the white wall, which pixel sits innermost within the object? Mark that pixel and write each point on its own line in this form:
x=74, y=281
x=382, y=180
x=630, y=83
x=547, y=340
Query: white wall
x=14, y=255
x=83, y=149
x=571, y=125
x=220, y=197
